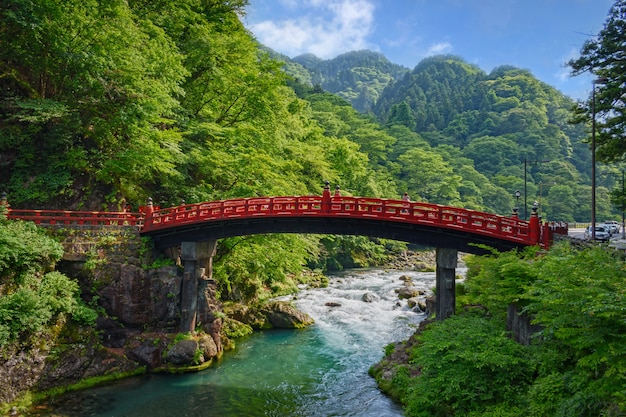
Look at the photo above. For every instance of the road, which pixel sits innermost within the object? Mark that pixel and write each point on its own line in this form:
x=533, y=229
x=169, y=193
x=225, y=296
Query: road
x=616, y=239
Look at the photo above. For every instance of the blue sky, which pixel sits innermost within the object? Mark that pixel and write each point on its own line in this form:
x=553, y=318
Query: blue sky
x=537, y=35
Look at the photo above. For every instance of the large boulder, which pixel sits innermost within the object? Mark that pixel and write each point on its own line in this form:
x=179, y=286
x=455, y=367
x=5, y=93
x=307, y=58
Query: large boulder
x=208, y=346
x=146, y=353
x=283, y=315
x=184, y=353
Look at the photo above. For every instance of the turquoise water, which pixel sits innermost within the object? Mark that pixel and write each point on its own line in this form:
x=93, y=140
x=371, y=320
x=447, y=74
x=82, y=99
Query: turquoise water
x=318, y=371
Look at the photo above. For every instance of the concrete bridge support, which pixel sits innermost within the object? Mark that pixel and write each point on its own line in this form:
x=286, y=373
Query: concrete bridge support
x=197, y=262
x=445, y=288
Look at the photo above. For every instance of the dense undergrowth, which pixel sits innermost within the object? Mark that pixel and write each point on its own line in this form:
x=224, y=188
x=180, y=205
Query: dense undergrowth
x=575, y=365
x=32, y=294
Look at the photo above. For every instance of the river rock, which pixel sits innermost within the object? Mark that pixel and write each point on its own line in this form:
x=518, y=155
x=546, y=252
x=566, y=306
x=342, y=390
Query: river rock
x=332, y=304
x=146, y=354
x=283, y=315
x=183, y=353
x=408, y=292
x=414, y=302
x=208, y=346
x=369, y=297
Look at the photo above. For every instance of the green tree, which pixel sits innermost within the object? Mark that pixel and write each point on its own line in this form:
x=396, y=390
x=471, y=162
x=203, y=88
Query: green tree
x=87, y=90
x=429, y=177
x=602, y=56
x=578, y=299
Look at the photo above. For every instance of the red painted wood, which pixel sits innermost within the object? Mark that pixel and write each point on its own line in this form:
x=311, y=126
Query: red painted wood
x=154, y=218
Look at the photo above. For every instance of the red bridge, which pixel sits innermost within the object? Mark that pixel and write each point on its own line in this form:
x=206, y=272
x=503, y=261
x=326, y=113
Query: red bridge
x=415, y=222
x=195, y=228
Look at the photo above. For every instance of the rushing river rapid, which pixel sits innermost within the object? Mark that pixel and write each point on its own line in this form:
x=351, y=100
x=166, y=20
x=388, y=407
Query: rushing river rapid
x=318, y=371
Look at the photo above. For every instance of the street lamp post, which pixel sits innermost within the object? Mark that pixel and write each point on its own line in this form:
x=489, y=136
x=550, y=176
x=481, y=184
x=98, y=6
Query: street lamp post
x=517, y=195
x=540, y=196
x=593, y=154
x=623, y=231
x=525, y=191
x=526, y=161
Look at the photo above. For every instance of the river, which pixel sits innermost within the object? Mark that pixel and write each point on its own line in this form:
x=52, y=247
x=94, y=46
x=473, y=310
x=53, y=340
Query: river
x=318, y=371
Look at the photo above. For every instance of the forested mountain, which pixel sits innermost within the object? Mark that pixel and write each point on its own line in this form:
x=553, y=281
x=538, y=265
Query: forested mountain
x=358, y=76
x=507, y=123
x=497, y=132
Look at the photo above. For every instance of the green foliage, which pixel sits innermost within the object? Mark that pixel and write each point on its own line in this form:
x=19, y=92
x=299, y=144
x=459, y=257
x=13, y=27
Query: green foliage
x=575, y=366
x=467, y=365
x=30, y=299
x=498, y=280
x=257, y=267
x=234, y=329
x=578, y=299
x=24, y=248
x=601, y=56
x=37, y=302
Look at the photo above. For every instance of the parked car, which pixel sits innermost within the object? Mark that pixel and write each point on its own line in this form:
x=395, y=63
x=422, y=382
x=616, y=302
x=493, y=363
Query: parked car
x=602, y=233
x=612, y=225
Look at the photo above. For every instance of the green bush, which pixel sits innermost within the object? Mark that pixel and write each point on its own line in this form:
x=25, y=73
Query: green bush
x=24, y=248
x=498, y=280
x=32, y=299
x=468, y=364
x=579, y=299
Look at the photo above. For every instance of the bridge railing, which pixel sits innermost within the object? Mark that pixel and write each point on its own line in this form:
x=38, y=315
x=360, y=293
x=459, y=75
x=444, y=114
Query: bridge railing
x=154, y=218
x=373, y=208
x=433, y=214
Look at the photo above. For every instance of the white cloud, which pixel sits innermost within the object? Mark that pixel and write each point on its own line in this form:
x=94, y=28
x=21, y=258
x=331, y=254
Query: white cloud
x=564, y=72
x=326, y=28
x=439, y=48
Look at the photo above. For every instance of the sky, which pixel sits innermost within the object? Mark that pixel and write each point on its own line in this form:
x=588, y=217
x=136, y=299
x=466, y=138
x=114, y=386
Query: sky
x=536, y=35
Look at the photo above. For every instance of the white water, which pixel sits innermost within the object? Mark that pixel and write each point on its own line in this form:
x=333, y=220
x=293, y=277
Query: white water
x=355, y=332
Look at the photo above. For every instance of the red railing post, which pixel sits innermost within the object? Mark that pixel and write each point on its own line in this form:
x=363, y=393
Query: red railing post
x=147, y=221
x=326, y=198
x=546, y=236
x=534, y=225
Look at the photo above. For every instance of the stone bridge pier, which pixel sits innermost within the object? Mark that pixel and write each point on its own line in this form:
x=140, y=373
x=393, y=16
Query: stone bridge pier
x=197, y=259
x=445, y=289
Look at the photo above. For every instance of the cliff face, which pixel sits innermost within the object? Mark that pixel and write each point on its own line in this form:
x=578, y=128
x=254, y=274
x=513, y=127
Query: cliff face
x=139, y=309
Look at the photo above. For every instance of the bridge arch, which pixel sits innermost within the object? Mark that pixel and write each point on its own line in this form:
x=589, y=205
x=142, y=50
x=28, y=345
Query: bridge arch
x=195, y=229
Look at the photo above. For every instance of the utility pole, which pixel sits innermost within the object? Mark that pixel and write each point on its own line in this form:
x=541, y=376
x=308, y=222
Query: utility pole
x=623, y=231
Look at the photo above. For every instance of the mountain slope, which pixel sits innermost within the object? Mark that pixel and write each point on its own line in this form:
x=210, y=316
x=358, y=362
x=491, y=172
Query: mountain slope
x=358, y=76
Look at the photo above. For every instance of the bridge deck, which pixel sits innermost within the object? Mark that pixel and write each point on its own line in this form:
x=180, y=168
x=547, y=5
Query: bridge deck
x=417, y=222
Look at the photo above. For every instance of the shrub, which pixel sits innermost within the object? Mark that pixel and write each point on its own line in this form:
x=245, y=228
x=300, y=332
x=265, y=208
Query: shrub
x=468, y=364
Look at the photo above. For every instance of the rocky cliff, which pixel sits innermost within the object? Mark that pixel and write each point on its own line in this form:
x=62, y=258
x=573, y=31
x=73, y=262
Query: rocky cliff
x=138, y=300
